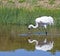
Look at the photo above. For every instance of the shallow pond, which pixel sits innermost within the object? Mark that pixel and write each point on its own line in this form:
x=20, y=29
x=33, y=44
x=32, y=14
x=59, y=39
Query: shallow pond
x=13, y=42
x=22, y=52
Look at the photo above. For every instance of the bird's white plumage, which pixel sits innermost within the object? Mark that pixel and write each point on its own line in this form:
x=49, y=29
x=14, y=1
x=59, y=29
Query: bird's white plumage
x=45, y=47
x=44, y=21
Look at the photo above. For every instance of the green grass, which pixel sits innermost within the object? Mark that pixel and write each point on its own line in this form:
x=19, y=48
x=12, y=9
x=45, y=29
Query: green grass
x=25, y=17
x=21, y=1
x=51, y=2
x=10, y=1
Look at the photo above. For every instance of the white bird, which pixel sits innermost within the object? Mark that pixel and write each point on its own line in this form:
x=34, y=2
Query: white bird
x=45, y=47
x=43, y=21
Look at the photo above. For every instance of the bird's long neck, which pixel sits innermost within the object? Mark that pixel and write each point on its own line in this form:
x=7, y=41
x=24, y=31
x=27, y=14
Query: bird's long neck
x=31, y=41
x=35, y=25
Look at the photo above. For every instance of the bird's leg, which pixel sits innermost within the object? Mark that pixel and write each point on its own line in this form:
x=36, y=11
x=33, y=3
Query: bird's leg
x=45, y=26
x=46, y=33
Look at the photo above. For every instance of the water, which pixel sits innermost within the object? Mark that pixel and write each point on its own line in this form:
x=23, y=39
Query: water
x=14, y=41
x=36, y=33
x=22, y=52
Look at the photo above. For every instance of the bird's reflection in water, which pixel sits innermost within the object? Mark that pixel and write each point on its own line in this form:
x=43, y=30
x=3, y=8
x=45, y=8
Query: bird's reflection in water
x=44, y=46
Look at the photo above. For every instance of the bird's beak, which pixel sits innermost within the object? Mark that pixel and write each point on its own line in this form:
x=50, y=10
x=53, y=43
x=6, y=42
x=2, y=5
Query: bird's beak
x=28, y=28
x=29, y=38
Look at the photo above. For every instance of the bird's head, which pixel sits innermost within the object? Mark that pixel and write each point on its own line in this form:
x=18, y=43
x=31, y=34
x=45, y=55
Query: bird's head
x=30, y=27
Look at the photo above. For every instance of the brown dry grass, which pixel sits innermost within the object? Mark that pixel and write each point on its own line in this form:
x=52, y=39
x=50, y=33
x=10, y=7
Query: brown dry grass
x=39, y=3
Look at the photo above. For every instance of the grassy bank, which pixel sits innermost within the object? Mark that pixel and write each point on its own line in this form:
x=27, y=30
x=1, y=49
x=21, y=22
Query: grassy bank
x=25, y=17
